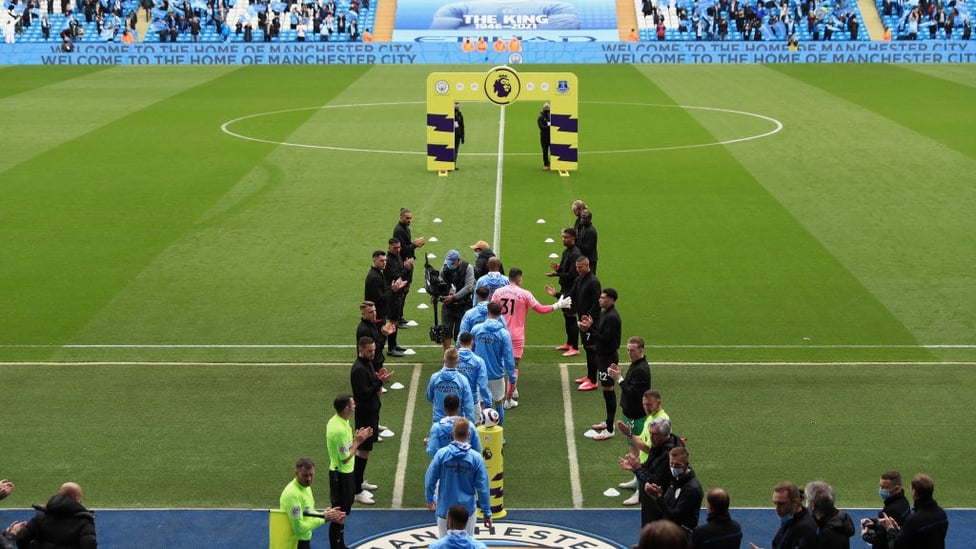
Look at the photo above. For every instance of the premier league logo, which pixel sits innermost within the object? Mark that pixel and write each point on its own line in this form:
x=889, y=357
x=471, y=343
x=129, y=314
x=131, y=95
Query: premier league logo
x=502, y=85
x=562, y=86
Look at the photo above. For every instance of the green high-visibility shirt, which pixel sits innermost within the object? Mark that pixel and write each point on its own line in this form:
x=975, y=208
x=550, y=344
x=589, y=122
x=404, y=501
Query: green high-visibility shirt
x=295, y=500
x=338, y=438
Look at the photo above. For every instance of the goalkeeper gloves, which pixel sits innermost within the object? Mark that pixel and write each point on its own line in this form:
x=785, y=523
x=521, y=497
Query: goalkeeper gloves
x=564, y=302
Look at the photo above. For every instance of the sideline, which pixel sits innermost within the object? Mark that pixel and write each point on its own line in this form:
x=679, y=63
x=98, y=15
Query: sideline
x=405, y=433
x=576, y=488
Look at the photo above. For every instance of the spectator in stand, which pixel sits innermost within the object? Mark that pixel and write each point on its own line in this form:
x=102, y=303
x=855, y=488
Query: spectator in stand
x=367, y=36
x=127, y=37
x=834, y=527
x=681, y=500
x=926, y=528
x=632, y=36
x=63, y=522
x=353, y=30
x=656, y=468
x=720, y=531
x=46, y=27
x=663, y=534
x=661, y=29
x=797, y=526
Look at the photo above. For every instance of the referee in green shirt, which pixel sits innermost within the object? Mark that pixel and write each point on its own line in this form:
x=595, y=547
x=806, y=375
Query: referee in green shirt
x=298, y=503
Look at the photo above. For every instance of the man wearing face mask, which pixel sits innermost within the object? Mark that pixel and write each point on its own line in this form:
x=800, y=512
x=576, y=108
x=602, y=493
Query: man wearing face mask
x=655, y=469
x=926, y=527
x=681, y=501
x=895, y=506
x=797, y=527
x=459, y=276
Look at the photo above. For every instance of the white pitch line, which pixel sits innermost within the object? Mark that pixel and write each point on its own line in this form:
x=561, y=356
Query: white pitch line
x=496, y=238
x=431, y=346
x=405, y=438
x=346, y=364
x=574, y=471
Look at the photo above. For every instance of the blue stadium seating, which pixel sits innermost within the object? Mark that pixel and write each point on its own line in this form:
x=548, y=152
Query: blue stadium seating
x=208, y=32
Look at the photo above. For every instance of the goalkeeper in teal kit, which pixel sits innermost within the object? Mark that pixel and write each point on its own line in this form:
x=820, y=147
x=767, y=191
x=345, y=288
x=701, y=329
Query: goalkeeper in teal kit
x=298, y=503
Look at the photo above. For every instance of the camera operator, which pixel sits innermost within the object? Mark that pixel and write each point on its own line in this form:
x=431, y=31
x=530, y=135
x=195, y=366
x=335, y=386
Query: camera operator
x=458, y=275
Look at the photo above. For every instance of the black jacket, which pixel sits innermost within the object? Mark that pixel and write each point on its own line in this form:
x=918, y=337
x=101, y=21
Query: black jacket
x=896, y=507
x=682, y=500
x=635, y=382
x=604, y=336
x=567, y=269
x=61, y=524
x=378, y=291
x=718, y=532
x=372, y=330
x=586, y=238
x=799, y=532
x=656, y=469
x=924, y=529
x=834, y=531
x=366, y=386
x=586, y=296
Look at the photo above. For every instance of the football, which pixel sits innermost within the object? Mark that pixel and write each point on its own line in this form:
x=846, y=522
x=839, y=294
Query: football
x=489, y=417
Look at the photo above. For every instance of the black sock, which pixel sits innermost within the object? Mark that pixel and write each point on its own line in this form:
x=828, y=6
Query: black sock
x=610, y=399
x=359, y=472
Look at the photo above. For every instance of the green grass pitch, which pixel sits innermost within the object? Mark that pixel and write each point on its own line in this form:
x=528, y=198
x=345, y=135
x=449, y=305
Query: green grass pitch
x=177, y=304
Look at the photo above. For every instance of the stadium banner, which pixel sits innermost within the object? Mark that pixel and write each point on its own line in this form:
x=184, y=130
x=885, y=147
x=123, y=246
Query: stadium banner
x=531, y=51
x=437, y=20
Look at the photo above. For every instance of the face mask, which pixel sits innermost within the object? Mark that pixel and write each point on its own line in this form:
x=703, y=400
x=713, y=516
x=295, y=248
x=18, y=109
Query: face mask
x=885, y=494
x=677, y=471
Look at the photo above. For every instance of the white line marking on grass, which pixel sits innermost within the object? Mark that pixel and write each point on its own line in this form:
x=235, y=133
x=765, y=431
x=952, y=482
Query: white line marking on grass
x=574, y=472
x=405, y=438
x=497, y=229
x=778, y=127
x=225, y=127
x=346, y=364
x=432, y=346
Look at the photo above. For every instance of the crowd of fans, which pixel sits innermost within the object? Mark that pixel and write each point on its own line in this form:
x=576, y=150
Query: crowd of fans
x=186, y=20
